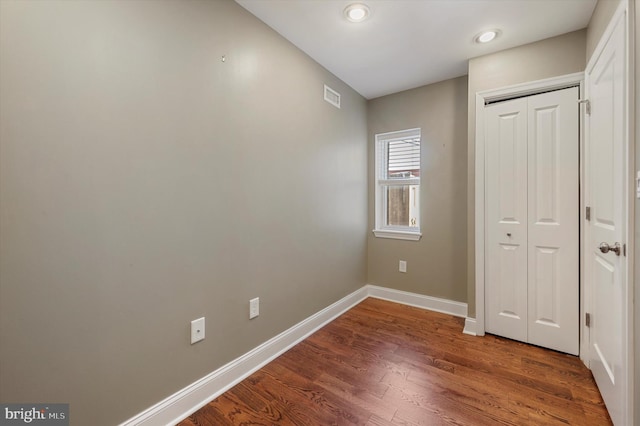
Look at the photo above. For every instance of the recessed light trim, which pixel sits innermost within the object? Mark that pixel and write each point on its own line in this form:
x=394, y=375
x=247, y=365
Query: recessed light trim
x=487, y=36
x=356, y=12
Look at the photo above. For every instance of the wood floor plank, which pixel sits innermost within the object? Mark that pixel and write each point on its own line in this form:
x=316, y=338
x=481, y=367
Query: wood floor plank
x=377, y=421
x=382, y=364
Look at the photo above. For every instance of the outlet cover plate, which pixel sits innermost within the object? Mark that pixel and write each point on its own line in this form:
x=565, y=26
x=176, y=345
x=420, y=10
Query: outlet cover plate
x=197, y=330
x=254, y=308
x=402, y=266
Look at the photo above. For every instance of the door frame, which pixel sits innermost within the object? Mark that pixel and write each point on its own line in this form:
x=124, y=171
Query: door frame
x=504, y=93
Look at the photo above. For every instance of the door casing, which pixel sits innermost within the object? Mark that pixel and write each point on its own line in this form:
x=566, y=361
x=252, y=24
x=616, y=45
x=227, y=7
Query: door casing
x=482, y=98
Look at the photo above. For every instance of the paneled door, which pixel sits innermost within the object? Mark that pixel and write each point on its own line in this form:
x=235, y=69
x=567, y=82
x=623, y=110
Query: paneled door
x=506, y=231
x=605, y=195
x=532, y=199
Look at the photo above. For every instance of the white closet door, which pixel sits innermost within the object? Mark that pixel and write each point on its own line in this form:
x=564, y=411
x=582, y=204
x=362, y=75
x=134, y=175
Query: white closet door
x=553, y=209
x=506, y=216
x=532, y=234
x=605, y=191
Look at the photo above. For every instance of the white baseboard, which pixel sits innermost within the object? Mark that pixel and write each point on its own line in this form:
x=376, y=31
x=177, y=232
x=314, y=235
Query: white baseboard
x=188, y=400
x=445, y=306
x=470, y=326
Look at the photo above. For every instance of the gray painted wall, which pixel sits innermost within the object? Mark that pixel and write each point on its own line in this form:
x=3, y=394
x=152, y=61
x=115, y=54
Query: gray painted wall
x=145, y=183
x=435, y=264
x=544, y=59
x=600, y=18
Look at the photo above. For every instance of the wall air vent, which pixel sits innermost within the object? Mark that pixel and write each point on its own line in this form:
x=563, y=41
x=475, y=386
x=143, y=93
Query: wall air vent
x=331, y=96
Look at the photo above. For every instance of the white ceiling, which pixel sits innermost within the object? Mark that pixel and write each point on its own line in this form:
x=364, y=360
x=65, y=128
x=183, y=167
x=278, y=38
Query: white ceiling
x=410, y=43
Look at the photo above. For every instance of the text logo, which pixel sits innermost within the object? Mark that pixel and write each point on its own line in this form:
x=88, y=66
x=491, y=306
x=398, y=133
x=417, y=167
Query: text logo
x=34, y=414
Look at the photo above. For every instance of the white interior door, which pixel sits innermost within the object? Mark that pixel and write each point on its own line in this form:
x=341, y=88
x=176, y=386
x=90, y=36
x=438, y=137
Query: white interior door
x=553, y=216
x=532, y=233
x=506, y=228
x=606, y=89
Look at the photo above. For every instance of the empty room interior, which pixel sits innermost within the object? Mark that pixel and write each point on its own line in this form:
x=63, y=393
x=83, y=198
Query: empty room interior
x=319, y=212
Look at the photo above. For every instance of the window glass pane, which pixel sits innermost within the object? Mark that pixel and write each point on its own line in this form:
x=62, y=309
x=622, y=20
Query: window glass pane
x=397, y=171
x=403, y=205
x=403, y=158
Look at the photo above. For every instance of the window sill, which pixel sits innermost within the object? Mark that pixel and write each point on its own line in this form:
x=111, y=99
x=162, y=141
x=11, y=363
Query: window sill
x=397, y=235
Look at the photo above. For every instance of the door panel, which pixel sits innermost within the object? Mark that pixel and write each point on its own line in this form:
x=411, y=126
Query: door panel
x=605, y=195
x=508, y=296
x=553, y=231
x=545, y=305
x=605, y=275
x=506, y=269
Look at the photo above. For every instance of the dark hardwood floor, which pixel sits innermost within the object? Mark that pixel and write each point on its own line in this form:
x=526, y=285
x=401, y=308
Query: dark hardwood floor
x=384, y=363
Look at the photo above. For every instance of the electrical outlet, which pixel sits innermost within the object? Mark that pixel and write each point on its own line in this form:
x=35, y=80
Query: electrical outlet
x=402, y=266
x=197, y=330
x=254, y=308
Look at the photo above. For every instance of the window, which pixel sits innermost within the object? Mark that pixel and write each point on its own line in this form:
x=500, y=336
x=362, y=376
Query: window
x=398, y=185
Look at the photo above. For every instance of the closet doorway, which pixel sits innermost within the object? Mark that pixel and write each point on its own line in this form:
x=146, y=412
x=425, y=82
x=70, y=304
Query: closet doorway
x=532, y=235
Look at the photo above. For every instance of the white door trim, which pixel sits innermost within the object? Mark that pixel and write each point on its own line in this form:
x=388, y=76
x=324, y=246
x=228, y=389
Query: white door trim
x=623, y=12
x=482, y=98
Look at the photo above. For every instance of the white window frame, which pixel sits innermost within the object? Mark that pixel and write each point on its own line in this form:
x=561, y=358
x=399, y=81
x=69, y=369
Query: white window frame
x=381, y=230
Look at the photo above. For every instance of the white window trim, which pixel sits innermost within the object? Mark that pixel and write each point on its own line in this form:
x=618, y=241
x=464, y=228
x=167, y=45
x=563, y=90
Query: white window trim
x=393, y=232
x=397, y=235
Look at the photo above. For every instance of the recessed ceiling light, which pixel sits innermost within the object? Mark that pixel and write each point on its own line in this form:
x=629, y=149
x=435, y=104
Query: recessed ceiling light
x=356, y=12
x=487, y=36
